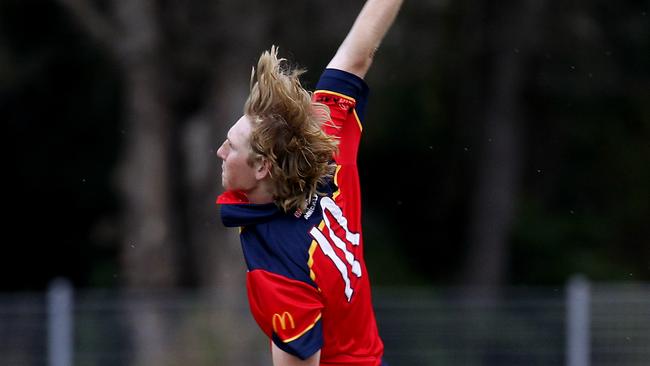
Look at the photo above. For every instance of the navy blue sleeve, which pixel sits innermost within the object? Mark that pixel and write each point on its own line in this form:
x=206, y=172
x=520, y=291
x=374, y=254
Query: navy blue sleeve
x=348, y=84
x=305, y=346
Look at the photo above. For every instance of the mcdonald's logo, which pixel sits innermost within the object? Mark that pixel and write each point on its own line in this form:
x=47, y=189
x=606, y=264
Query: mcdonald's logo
x=283, y=321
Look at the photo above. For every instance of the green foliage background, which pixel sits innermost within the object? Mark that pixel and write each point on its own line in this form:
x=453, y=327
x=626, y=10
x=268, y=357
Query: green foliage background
x=584, y=203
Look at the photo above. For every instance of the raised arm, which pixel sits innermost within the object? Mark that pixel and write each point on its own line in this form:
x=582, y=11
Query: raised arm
x=356, y=53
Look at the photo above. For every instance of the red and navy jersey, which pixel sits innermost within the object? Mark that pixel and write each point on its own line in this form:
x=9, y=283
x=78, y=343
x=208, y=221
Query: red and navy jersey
x=308, y=286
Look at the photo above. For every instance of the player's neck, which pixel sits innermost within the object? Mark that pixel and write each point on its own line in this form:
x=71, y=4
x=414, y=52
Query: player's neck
x=261, y=194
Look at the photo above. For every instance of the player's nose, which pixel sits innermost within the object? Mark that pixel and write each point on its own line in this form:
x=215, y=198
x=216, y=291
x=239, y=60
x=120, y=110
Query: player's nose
x=221, y=152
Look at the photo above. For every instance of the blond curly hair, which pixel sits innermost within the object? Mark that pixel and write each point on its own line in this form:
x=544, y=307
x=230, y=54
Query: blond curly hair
x=287, y=131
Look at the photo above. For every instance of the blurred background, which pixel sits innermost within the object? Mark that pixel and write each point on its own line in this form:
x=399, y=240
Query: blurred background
x=506, y=150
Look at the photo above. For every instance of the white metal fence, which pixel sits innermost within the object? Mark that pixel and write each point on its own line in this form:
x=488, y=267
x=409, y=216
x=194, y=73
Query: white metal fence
x=582, y=324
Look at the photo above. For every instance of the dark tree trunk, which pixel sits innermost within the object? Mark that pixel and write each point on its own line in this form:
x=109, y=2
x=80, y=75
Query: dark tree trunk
x=493, y=205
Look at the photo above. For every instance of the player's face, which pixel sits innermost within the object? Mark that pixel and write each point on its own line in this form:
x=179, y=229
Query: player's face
x=236, y=172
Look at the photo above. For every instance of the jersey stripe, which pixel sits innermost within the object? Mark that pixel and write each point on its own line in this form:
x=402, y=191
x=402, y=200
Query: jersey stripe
x=310, y=262
x=336, y=182
x=326, y=247
x=304, y=331
x=337, y=94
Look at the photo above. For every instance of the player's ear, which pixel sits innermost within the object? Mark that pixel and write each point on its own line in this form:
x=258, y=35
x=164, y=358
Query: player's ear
x=262, y=168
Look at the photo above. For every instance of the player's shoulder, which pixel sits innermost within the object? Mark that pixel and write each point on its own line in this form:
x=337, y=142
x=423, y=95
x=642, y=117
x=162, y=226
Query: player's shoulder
x=282, y=245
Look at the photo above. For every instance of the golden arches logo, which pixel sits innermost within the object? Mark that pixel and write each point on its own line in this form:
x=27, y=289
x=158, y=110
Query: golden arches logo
x=283, y=321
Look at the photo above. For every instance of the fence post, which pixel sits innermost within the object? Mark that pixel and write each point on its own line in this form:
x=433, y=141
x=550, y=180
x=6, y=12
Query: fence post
x=60, y=323
x=578, y=337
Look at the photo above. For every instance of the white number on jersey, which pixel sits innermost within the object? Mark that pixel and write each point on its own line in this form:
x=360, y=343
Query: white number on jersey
x=325, y=243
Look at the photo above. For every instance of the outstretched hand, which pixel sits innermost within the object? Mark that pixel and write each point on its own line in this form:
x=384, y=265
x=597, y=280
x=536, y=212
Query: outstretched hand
x=357, y=51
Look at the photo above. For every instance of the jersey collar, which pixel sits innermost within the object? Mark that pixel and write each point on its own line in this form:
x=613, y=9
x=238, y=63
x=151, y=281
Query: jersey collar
x=236, y=210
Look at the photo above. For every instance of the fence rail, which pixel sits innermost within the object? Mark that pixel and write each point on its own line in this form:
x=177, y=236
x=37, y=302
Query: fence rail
x=583, y=324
